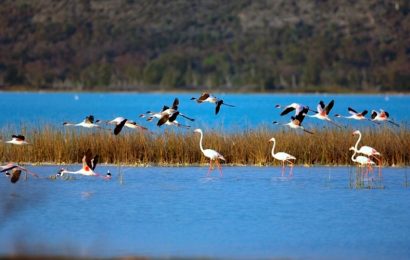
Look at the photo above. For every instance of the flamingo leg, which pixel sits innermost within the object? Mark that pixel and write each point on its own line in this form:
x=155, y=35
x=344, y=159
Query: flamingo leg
x=210, y=167
x=283, y=168
x=291, y=167
x=219, y=167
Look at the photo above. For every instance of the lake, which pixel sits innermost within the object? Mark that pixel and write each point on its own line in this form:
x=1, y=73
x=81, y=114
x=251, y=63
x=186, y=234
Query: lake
x=250, y=212
x=251, y=111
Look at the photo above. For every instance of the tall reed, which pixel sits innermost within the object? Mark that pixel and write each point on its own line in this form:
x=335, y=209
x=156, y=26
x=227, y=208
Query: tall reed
x=249, y=147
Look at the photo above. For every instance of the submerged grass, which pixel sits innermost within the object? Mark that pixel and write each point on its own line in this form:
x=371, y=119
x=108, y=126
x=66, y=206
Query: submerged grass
x=250, y=147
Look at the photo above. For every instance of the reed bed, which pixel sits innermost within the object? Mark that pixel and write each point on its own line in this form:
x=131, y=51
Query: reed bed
x=50, y=145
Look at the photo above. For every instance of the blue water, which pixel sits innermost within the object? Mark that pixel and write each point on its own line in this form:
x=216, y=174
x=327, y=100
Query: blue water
x=251, y=212
x=252, y=110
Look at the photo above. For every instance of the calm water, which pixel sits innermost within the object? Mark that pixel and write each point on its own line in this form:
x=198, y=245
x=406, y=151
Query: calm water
x=252, y=110
x=249, y=213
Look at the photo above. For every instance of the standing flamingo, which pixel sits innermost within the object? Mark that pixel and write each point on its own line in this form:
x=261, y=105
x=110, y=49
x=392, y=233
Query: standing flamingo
x=282, y=156
x=366, y=150
x=211, y=154
x=362, y=160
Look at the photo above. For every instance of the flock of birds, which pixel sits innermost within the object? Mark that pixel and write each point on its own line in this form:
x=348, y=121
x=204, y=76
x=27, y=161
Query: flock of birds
x=169, y=114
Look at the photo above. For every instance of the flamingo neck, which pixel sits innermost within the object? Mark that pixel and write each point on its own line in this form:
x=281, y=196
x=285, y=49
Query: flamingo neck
x=273, y=148
x=358, y=140
x=200, y=142
x=355, y=151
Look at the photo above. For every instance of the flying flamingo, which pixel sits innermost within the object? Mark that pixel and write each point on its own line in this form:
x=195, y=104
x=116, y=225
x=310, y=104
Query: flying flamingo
x=282, y=156
x=355, y=115
x=382, y=116
x=294, y=106
x=88, y=122
x=128, y=123
x=211, y=154
x=206, y=97
x=323, y=112
x=15, y=171
x=17, y=140
x=170, y=114
x=89, y=164
x=296, y=122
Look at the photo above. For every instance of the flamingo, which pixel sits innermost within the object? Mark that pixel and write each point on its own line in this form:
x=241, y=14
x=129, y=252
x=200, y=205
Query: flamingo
x=211, y=154
x=170, y=114
x=323, y=112
x=17, y=140
x=355, y=115
x=282, y=156
x=15, y=171
x=366, y=150
x=89, y=164
x=362, y=160
x=382, y=116
x=206, y=97
x=88, y=122
x=128, y=123
x=294, y=106
x=296, y=122
x=166, y=114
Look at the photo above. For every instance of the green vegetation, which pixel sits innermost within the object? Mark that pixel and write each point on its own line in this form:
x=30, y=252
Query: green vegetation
x=238, y=45
x=250, y=147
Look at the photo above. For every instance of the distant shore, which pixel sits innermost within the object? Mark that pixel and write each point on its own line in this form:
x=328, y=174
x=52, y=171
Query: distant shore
x=250, y=147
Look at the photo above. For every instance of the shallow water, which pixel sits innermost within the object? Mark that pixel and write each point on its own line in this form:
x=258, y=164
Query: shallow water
x=250, y=212
x=252, y=110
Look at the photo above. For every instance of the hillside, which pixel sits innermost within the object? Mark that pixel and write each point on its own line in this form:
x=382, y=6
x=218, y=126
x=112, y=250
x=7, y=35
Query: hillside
x=293, y=45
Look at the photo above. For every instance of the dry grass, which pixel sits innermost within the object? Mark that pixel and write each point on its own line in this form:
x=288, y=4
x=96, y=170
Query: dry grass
x=251, y=147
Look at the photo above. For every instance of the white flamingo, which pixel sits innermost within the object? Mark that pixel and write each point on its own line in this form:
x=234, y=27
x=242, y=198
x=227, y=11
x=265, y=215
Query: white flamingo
x=362, y=160
x=323, y=112
x=17, y=140
x=206, y=97
x=211, y=154
x=296, y=121
x=355, y=115
x=294, y=106
x=282, y=156
x=121, y=122
x=382, y=116
x=89, y=164
x=366, y=150
x=88, y=122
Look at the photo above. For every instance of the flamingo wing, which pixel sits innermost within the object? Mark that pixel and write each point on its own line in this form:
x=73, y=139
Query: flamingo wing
x=352, y=111
x=203, y=97
x=175, y=104
x=374, y=114
x=15, y=175
x=329, y=106
x=163, y=120
x=119, y=127
x=287, y=110
x=218, y=106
